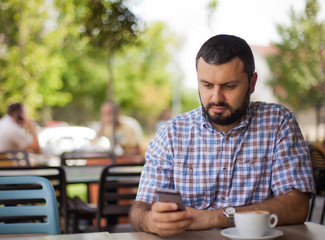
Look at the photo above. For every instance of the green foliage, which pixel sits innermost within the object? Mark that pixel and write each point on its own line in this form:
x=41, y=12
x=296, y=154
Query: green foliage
x=298, y=69
x=31, y=66
x=190, y=100
x=56, y=55
x=143, y=81
x=109, y=24
x=211, y=8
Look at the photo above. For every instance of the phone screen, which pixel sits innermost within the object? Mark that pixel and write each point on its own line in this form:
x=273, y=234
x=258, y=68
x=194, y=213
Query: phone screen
x=20, y=117
x=170, y=195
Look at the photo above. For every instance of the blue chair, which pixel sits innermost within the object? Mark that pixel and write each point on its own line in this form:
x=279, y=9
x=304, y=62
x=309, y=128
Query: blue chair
x=28, y=205
x=57, y=177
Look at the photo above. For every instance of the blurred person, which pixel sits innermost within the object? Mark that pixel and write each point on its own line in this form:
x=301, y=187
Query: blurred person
x=164, y=116
x=128, y=132
x=17, y=131
x=229, y=155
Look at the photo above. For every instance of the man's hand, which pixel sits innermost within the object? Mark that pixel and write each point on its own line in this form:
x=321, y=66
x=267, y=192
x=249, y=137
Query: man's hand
x=166, y=221
x=160, y=218
x=30, y=126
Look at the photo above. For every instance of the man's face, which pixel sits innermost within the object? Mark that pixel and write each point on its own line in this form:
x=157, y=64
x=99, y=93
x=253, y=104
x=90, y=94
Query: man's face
x=106, y=112
x=224, y=92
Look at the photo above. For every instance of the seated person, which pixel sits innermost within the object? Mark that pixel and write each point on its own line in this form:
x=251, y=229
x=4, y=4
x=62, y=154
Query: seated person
x=128, y=132
x=228, y=155
x=17, y=131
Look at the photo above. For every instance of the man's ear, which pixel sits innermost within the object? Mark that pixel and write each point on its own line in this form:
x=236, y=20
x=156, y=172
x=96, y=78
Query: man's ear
x=253, y=82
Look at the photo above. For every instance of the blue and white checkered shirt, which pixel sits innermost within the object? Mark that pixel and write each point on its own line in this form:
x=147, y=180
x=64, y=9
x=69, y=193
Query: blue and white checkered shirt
x=265, y=155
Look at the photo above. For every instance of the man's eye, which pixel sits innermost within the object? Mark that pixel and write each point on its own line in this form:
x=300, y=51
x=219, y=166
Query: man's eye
x=207, y=85
x=230, y=86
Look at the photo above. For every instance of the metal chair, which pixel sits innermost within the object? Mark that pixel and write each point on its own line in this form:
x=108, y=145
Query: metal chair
x=28, y=206
x=87, y=158
x=57, y=177
x=317, y=153
x=92, y=160
x=117, y=190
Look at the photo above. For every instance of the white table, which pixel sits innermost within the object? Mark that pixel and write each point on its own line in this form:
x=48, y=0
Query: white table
x=307, y=231
x=81, y=236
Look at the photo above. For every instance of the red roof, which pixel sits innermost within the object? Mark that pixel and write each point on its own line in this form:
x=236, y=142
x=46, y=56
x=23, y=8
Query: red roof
x=266, y=50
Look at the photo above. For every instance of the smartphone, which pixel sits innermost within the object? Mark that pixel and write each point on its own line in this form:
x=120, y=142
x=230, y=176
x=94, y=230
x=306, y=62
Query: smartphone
x=20, y=117
x=171, y=195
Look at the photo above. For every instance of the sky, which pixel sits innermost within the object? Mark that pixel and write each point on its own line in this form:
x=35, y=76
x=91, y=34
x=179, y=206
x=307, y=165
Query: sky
x=253, y=20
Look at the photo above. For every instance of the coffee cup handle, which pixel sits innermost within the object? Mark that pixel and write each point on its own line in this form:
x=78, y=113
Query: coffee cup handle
x=273, y=220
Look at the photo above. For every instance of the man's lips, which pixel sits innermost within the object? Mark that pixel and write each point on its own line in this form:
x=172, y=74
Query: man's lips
x=219, y=109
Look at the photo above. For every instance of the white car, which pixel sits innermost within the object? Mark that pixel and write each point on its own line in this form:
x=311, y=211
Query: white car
x=56, y=140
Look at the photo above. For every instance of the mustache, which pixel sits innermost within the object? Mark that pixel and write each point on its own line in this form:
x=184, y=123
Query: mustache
x=220, y=104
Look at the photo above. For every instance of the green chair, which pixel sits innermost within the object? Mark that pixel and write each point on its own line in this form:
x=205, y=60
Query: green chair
x=28, y=205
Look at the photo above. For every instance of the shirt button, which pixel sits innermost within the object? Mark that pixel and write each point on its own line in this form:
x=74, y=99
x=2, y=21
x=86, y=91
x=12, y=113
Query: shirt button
x=224, y=169
x=222, y=197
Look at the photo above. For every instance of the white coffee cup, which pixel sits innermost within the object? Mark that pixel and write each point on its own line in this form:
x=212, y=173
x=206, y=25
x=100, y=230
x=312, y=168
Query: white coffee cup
x=254, y=224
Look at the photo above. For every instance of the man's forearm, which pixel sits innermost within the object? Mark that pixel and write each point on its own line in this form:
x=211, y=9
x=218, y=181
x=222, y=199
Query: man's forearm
x=291, y=208
x=137, y=215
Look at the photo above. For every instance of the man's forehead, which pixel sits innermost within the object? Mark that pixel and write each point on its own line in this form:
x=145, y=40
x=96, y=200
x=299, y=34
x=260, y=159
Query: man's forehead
x=233, y=66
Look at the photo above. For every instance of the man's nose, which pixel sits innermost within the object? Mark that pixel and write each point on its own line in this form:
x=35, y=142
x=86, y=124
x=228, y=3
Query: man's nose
x=217, y=95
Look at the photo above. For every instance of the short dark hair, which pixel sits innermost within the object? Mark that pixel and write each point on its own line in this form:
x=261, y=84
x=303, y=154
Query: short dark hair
x=14, y=108
x=223, y=48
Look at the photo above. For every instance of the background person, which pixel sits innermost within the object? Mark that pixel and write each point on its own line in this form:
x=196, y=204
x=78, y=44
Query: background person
x=128, y=131
x=228, y=155
x=17, y=131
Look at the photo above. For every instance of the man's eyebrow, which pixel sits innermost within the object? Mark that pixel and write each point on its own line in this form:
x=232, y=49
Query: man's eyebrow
x=204, y=81
x=225, y=83
x=231, y=82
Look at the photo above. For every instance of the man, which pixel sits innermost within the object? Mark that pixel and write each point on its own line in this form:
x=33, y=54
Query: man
x=128, y=132
x=228, y=155
x=17, y=131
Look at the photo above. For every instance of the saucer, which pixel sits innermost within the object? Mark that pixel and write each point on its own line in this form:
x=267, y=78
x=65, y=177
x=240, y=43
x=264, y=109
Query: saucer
x=233, y=234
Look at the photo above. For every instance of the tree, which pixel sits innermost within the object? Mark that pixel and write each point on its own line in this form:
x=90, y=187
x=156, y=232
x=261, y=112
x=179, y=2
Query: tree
x=143, y=78
x=143, y=74
x=110, y=25
x=30, y=65
x=299, y=68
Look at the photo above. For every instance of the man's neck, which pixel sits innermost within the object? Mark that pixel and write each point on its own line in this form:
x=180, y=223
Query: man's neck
x=225, y=128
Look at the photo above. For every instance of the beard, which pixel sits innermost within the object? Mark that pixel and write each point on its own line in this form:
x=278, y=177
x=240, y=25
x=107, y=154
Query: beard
x=235, y=114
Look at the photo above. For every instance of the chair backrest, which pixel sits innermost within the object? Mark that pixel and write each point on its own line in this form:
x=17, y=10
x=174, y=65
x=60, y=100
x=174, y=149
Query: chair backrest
x=117, y=190
x=87, y=158
x=57, y=177
x=317, y=153
x=14, y=158
x=28, y=205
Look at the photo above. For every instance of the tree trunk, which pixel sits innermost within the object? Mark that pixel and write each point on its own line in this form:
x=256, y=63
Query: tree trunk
x=110, y=96
x=318, y=109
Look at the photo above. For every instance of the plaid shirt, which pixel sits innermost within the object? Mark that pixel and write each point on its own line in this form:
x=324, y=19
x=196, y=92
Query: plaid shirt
x=265, y=155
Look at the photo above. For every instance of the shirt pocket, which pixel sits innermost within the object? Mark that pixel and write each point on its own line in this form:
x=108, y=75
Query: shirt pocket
x=196, y=183
x=253, y=164
x=253, y=174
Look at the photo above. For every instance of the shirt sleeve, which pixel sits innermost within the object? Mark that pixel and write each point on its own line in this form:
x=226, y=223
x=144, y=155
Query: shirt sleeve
x=158, y=169
x=20, y=138
x=292, y=165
